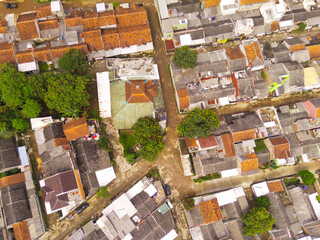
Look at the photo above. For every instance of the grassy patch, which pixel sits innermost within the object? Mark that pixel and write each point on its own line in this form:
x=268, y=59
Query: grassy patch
x=43, y=67
x=260, y=146
x=291, y=181
x=207, y=177
x=128, y=141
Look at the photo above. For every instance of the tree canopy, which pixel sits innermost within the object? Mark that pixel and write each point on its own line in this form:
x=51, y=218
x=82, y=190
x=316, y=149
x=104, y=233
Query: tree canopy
x=262, y=201
x=199, y=123
x=148, y=133
x=257, y=221
x=307, y=177
x=103, y=193
x=185, y=57
x=74, y=61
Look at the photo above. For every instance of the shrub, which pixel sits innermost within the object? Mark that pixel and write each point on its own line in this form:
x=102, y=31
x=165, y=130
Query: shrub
x=291, y=181
x=262, y=201
x=188, y=203
x=307, y=177
x=185, y=57
x=103, y=193
x=104, y=143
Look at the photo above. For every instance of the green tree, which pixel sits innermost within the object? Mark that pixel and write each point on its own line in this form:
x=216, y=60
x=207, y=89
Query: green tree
x=185, y=57
x=31, y=109
x=148, y=133
x=199, y=123
x=66, y=91
x=302, y=26
x=188, y=203
x=20, y=125
x=103, y=193
x=262, y=201
x=257, y=221
x=307, y=177
x=74, y=61
x=5, y=131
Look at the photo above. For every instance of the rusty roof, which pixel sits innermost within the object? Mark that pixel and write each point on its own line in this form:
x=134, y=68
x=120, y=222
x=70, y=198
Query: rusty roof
x=228, y=144
x=275, y=186
x=135, y=15
x=140, y=91
x=183, y=96
x=191, y=142
x=94, y=40
x=234, y=53
x=297, y=47
x=21, y=231
x=48, y=24
x=110, y=38
x=43, y=10
x=24, y=57
x=58, y=51
x=247, y=2
x=90, y=20
x=106, y=18
x=244, y=135
x=74, y=19
x=211, y=3
x=7, y=53
x=249, y=165
x=75, y=129
x=3, y=26
x=42, y=54
x=278, y=140
x=136, y=35
x=210, y=211
x=26, y=17
x=207, y=142
x=275, y=26
x=314, y=51
x=253, y=52
x=27, y=26
x=12, y=179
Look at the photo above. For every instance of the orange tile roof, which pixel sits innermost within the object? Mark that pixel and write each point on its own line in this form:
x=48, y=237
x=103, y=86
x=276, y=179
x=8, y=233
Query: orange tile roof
x=3, y=26
x=207, y=142
x=183, y=96
x=75, y=129
x=27, y=26
x=57, y=52
x=7, y=53
x=136, y=35
x=247, y=2
x=110, y=38
x=48, y=24
x=135, y=15
x=234, y=53
x=191, y=142
x=275, y=26
x=275, y=186
x=211, y=3
x=228, y=144
x=90, y=20
x=244, y=135
x=251, y=155
x=43, y=10
x=12, y=179
x=253, y=52
x=210, y=211
x=74, y=19
x=94, y=40
x=79, y=183
x=60, y=141
x=249, y=165
x=21, y=231
x=42, y=54
x=314, y=51
x=106, y=18
x=140, y=91
x=297, y=47
x=24, y=57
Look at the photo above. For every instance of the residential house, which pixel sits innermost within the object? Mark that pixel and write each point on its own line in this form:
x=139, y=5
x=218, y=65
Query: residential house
x=10, y=156
x=270, y=119
x=259, y=26
x=76, y=128
x=7, y=53
x=295, y=82
x=279, y=75
x=279, y=148
x=243, y=27
x=218, y=215
x=253, y=54
x=236, y=59
x=219, y=32
x=27, y=25
x=311, y=78
x=313, y=107
x=286, y=23
x=244, y=84
x=281, y=54
x=247, y=5
x=313, y=18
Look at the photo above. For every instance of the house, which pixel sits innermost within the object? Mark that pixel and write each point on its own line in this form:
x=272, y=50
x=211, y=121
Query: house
x=311, y=78
x=313, y=107
x=270, y=119
x=281, y=54
x=259, y=27
x=244, y=84
x=218, y=215
x=10, y=157
x=243, y=27
x=236, y=59
x=286, y=23
x=27, y=25
x=76, y=128
x=296, y=76
x=253, y=54
x=279, y=75
x=272, y=12
x=250, y=4
x=7, y=53
x=313, y=18
x=279, y=147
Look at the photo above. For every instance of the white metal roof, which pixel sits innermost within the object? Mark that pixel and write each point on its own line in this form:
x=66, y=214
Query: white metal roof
x=230, y=173
x=170, y=235
x=315, y=204
x=105, y=176
x=55, y=6
x=121, y=206
x=260, y=189
x=24, y=158
x=163, y=9
x=37, y=123
x=151, y=190
x=226, y=197
x=104, y=97
x=27, y=67
x=185, y=39
x=136, y=189
x=101, y=7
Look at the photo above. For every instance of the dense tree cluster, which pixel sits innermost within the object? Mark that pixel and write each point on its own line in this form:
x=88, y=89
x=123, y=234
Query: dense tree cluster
x=307, y=177
x=185, y=57
x=74, y=61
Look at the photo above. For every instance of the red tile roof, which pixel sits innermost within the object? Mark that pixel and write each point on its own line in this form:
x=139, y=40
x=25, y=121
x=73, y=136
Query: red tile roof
x=74, y=19
x=275, y=186
x=314, y=51
x=281, y=147
x=191, y=142
x=253, y=52
x=207, y=142
x=12, y=179
x=75, y=129
x=94, y=40
x=110, y=38
x=210, y=211
x=135, y=15
x=90, y=20
x=247, y=2
x=27, y=26
x=21, y=231
x=106, y=18
x=169, y=44
x=24, y=57
x=183, y=96
x=228, y=144
x=43, y=10
x=136, y=35
x=57, y=52
x=48, y=24
x=140, y=91
x=244, y=135
x=7, y=53
x=211, y=3
x=275, y=26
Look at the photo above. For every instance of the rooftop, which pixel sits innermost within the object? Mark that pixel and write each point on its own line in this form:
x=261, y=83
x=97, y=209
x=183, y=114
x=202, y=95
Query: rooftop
x=77, y=128
x=140, y=91
x=210, y=211
x=21, y=231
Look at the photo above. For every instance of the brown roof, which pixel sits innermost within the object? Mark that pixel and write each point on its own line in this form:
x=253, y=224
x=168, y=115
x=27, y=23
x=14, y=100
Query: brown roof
x=314, y=51
x=27, y=26
x=169, y=44
x=24, y=57
x=90, y=20
x=191, y=142
x=135, y=15
x=297, y=47
x=106, y=18
x=94, y=40
x=110, y=38
x=140, y=91
x=3, y=26
x=57, y=52
x=42, y=54
x=281, y=147
x=74, y=19
x=275, y=186
x=249, y=165
x=48, y=24
x=183, y=96
x=278, y=140
x=244, y=135
x=234, y=53
x=207, y=142
x=7, y=53
x=136, y=35
x=210, y=211
x=43, y=10
x=228, y=144
x=21, y=231
x=211, y=3
x=12, y=179
x=60, y=141
x=253, y=52
x=275, y=26
x=75, y=129
x=247, y=2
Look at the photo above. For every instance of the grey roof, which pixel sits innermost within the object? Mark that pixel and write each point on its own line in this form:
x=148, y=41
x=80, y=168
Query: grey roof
x=213, y=164
x=15, y=202
x=248, y=121
x=313, y=228
x=263, y=157
x=299, y=15
x=294, y=41
x=93, y=232
x=194, y=217
x=185, y=6
x=313, y=17
x=53, y=130
x=258, y=21
x=315, y=102
x=9, y=156
x=281, y=54
x=90, y=158
x=237, y=64
x=278, y=212
x=235, y=230
x=246, y=86
x=144, y=204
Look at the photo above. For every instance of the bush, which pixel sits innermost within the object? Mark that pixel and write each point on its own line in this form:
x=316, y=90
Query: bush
x=104, y=143
x=115, y=4
x=307, y=177
x=103, y=193
x=302, y=26
x=128, y=141
x=188, y=203
x=207, y=177
x=262, y=201
x=291, y=181
x=260, y=146
x=185, y=57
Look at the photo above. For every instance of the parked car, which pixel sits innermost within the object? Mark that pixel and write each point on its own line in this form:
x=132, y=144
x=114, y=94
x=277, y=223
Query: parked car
x=11, y=5
x=82, y=208
x=167, y=189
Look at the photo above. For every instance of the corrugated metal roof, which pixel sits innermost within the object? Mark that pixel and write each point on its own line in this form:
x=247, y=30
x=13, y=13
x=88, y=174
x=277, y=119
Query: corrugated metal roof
x=103, y=84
